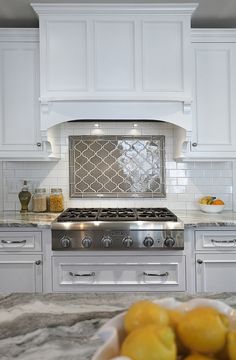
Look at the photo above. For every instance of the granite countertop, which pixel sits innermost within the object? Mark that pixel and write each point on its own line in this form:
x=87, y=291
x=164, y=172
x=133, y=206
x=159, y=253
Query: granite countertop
x=190, y=219
x=16, y=219
x=64, y=326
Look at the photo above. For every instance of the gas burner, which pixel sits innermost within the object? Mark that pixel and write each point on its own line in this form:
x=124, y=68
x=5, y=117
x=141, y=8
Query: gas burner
x=117, y=214
x=155, y=214
x=76, y=214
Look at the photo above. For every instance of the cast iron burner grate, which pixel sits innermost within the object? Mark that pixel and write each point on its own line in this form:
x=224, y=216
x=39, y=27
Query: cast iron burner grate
x=76, y=214
x=122, y=214
x=113, y=214
x=155, y=214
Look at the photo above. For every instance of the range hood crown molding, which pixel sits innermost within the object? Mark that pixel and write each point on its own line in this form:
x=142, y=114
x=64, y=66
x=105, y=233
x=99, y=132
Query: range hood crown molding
x=119, y=8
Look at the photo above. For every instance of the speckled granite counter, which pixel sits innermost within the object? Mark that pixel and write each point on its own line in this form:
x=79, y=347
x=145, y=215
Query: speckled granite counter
x=63, y=326
x=190, y=219
x=16, y=219
x=201, y=219
x=60, y=326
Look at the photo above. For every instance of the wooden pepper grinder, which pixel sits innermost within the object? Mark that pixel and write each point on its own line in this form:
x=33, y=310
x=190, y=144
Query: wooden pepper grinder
x=24, y=197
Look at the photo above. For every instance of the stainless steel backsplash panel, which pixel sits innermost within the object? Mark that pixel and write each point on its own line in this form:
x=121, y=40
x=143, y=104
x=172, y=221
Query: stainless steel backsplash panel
x=117, y=166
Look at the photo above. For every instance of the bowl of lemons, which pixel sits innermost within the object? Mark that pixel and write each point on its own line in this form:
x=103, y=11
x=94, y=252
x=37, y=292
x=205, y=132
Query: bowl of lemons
x=199, y=329
x=210, y=204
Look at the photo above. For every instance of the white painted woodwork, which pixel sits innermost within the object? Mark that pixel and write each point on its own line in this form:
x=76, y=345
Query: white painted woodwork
x=116, y=273
x=215, y=89
x=19, y=273
x=117, y=53
x=19, y=93
x=219, y=240
x=217, y=272
x=20, y=241
x=162, y=56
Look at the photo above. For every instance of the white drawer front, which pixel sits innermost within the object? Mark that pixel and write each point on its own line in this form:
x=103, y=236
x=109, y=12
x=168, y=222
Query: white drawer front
x=150, y=273
x=215, y=240
x=20, y=241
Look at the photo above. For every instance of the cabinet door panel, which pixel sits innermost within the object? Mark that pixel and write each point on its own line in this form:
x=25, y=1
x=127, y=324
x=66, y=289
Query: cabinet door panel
x=19, y=115
x=215, y=90
x=216, y=273
x=20, y=273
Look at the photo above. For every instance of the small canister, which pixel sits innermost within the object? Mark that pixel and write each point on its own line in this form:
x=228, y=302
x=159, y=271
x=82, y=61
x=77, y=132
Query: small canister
x=39, y=200
x=56, y=200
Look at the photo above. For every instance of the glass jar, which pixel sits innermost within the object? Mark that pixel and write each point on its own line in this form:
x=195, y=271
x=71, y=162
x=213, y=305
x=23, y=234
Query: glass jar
x=56, y=200
x=39, y=200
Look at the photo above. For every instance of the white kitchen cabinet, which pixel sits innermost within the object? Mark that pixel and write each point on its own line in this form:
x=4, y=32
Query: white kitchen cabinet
x=20, y=273
x=21, y=261
x=214, y=91
x=215, y=272
x=20, y=134
x=118, y=273
x=215, y=260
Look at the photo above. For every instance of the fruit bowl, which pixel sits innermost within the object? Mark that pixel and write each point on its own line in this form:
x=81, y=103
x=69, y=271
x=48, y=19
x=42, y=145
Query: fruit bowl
x=112, y=333
x=211, y=209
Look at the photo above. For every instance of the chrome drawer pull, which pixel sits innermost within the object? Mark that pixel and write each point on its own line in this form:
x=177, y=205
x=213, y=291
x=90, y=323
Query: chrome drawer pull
x=223, y=241
x=82, y=275
x=149, y=274
x=13, y=241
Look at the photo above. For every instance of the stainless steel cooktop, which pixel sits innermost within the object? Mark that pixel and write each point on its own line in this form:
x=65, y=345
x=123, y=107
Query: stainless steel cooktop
x=117, y=229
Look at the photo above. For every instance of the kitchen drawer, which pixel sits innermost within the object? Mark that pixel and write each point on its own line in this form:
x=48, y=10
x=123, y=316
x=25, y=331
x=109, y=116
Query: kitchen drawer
x=215, y=240
x=77, y=273
x=20, y=241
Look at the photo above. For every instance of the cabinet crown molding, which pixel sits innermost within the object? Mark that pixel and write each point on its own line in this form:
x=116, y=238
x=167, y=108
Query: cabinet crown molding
x=119, y=8
x=16, y=34
x=213, y=35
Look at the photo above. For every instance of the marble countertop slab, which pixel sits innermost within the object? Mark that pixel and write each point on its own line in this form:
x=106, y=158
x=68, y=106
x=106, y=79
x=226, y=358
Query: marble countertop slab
x=64, y=326
x=191, y=219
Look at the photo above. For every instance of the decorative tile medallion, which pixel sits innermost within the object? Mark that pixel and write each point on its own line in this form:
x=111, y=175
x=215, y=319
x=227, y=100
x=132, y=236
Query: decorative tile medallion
x=117, y=166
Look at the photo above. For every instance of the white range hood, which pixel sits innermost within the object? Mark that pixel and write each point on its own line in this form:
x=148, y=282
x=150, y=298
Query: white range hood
x=115, y=61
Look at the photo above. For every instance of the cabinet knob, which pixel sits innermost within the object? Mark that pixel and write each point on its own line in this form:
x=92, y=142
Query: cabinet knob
x=39, y=144
x=37, y=262
x=194, y=144
x=199, y=261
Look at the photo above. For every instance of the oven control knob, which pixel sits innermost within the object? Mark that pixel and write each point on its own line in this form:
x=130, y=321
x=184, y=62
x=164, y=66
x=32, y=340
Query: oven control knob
x=66, y=242
x=106, y=241
x=169, y=241
x=127, y=241
x=87, y=242
x=148, y=241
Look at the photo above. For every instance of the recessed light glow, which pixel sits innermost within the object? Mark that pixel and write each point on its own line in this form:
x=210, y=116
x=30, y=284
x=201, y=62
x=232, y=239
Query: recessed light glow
x=96, y=125
x=135, y=125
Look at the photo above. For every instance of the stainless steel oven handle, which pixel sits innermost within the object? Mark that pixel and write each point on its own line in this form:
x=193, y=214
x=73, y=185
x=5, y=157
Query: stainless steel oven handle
x=92, y=274
x=150, y=274
x=13, y=241
x=233, y=241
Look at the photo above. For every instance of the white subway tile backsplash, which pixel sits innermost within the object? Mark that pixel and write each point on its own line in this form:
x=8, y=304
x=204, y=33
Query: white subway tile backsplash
x=185, y=182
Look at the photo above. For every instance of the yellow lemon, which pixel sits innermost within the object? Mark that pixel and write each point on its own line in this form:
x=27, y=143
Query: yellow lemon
x=231, y=345
x=198, y=357
x=175, y=317
x=150, y=342
x=145, y=312
x=203, y=330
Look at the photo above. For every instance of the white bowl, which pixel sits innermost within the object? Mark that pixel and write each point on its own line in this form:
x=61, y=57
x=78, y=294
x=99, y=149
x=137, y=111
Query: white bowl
x=112, y=333
x=211, y=209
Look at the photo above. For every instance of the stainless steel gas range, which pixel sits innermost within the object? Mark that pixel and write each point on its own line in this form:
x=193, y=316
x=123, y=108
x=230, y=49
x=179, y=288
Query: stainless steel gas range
x=117, y=229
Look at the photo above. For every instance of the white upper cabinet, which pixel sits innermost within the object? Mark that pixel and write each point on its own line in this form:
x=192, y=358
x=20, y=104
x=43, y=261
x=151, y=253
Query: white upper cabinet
x=20, y=135
x=115, y=52
x=214, y=93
